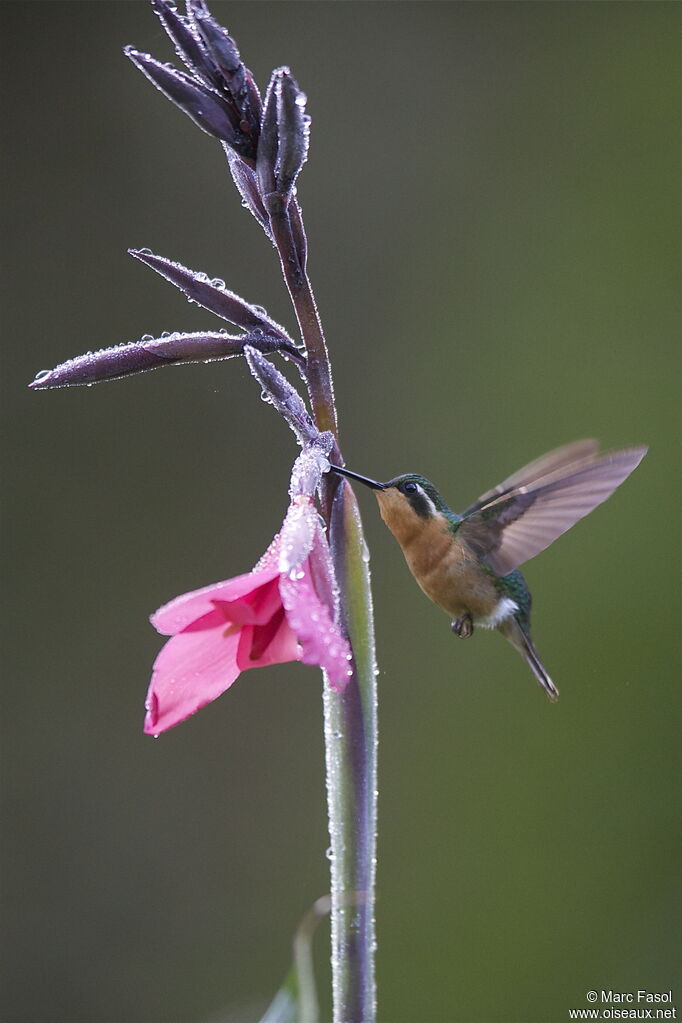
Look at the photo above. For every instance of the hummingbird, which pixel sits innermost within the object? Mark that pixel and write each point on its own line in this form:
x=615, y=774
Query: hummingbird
x=468, y=563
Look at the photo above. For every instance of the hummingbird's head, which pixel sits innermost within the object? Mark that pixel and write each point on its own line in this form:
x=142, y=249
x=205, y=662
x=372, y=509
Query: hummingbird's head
x=406, y=502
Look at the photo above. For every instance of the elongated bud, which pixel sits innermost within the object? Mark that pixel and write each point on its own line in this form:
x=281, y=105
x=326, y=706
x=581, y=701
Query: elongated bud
x=283, y=145
x=235, y=76
x=223, y=52
x=246, y=181
x=188, y=46
x=208, y=111
x=150, y=353
x=294, y=132
x=278, y=392
x=212, y=295
x=268, y=143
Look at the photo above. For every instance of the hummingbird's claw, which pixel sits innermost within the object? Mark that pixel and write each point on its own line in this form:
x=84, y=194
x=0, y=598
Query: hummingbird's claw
x=463, y=627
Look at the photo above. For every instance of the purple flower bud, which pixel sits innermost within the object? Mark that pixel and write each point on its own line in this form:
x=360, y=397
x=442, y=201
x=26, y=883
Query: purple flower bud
x=150, y=353
x=223, y=50
x=283, y=145
x=208, y=110
x=246, y=181
x=293, y=130
x=268, y=143
x=213, y=296
x=278, y=392
x=236, y=79
x=187, y=46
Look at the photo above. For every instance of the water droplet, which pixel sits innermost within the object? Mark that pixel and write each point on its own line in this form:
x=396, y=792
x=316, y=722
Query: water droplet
x=146, y=337
x=145, y=252
x=218, y=282
x=330, y=853
x=43, y=374
x=165, y=333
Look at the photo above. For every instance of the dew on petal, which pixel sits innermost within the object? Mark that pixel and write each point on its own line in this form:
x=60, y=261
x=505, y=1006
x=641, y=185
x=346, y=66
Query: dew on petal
x=297, y=537
x=310, y=466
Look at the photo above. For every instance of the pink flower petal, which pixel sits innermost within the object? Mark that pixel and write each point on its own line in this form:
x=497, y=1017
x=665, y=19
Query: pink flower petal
x=182, y=611
x=321, y=568
x=273, y=643
x=321, y=640
x=192, y=669
x=254, y=608
x=297, y=533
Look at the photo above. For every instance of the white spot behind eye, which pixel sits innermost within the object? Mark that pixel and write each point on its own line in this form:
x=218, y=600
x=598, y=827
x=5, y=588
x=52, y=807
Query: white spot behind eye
x=422, y=493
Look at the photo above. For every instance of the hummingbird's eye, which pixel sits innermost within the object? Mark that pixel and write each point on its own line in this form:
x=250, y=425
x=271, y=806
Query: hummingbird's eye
x=410, y=487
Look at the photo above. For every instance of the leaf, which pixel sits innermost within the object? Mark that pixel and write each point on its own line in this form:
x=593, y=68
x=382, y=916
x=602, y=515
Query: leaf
x=296, y=1000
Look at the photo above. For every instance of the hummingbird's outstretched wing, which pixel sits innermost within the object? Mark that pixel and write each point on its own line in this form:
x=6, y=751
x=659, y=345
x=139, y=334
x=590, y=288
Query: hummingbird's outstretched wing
x=517, y=524
x=551, y=462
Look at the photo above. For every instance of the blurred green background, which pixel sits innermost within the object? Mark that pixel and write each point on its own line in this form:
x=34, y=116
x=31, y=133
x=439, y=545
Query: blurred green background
x=491, y=204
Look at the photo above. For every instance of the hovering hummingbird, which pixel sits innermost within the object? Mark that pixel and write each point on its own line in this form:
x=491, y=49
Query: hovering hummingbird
x=468, y=564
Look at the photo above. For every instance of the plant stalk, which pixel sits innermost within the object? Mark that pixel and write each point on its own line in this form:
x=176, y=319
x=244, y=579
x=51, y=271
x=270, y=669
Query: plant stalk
x=350, y=718
x=320, y=387
x=351, y=750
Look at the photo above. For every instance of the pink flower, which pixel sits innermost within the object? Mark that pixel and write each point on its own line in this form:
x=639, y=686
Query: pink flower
x=283, y=610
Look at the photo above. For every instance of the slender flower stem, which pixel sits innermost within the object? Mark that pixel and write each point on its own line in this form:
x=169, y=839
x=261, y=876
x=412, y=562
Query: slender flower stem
x=351, y=748
x=351, y=716
x=320, y=387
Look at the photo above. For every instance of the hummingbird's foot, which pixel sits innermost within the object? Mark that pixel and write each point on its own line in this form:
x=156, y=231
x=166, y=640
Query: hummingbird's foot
x=463, y=627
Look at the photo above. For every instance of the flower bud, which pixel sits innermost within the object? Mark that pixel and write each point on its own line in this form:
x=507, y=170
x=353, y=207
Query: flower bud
x=283, y=144
x=208, y=110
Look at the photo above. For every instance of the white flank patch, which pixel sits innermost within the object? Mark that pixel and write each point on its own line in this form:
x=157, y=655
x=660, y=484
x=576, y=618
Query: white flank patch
x=505, y=609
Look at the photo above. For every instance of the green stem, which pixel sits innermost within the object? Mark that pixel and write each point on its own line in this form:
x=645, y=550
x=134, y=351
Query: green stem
x=351, y=748
x=350, y=717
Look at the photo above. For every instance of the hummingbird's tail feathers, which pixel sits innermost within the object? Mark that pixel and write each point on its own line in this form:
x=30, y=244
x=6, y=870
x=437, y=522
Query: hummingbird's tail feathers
x=516, y=526
x=521, y=641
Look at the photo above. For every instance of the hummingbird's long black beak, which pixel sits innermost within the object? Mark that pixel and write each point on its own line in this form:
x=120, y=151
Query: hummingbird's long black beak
x=355, y=476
